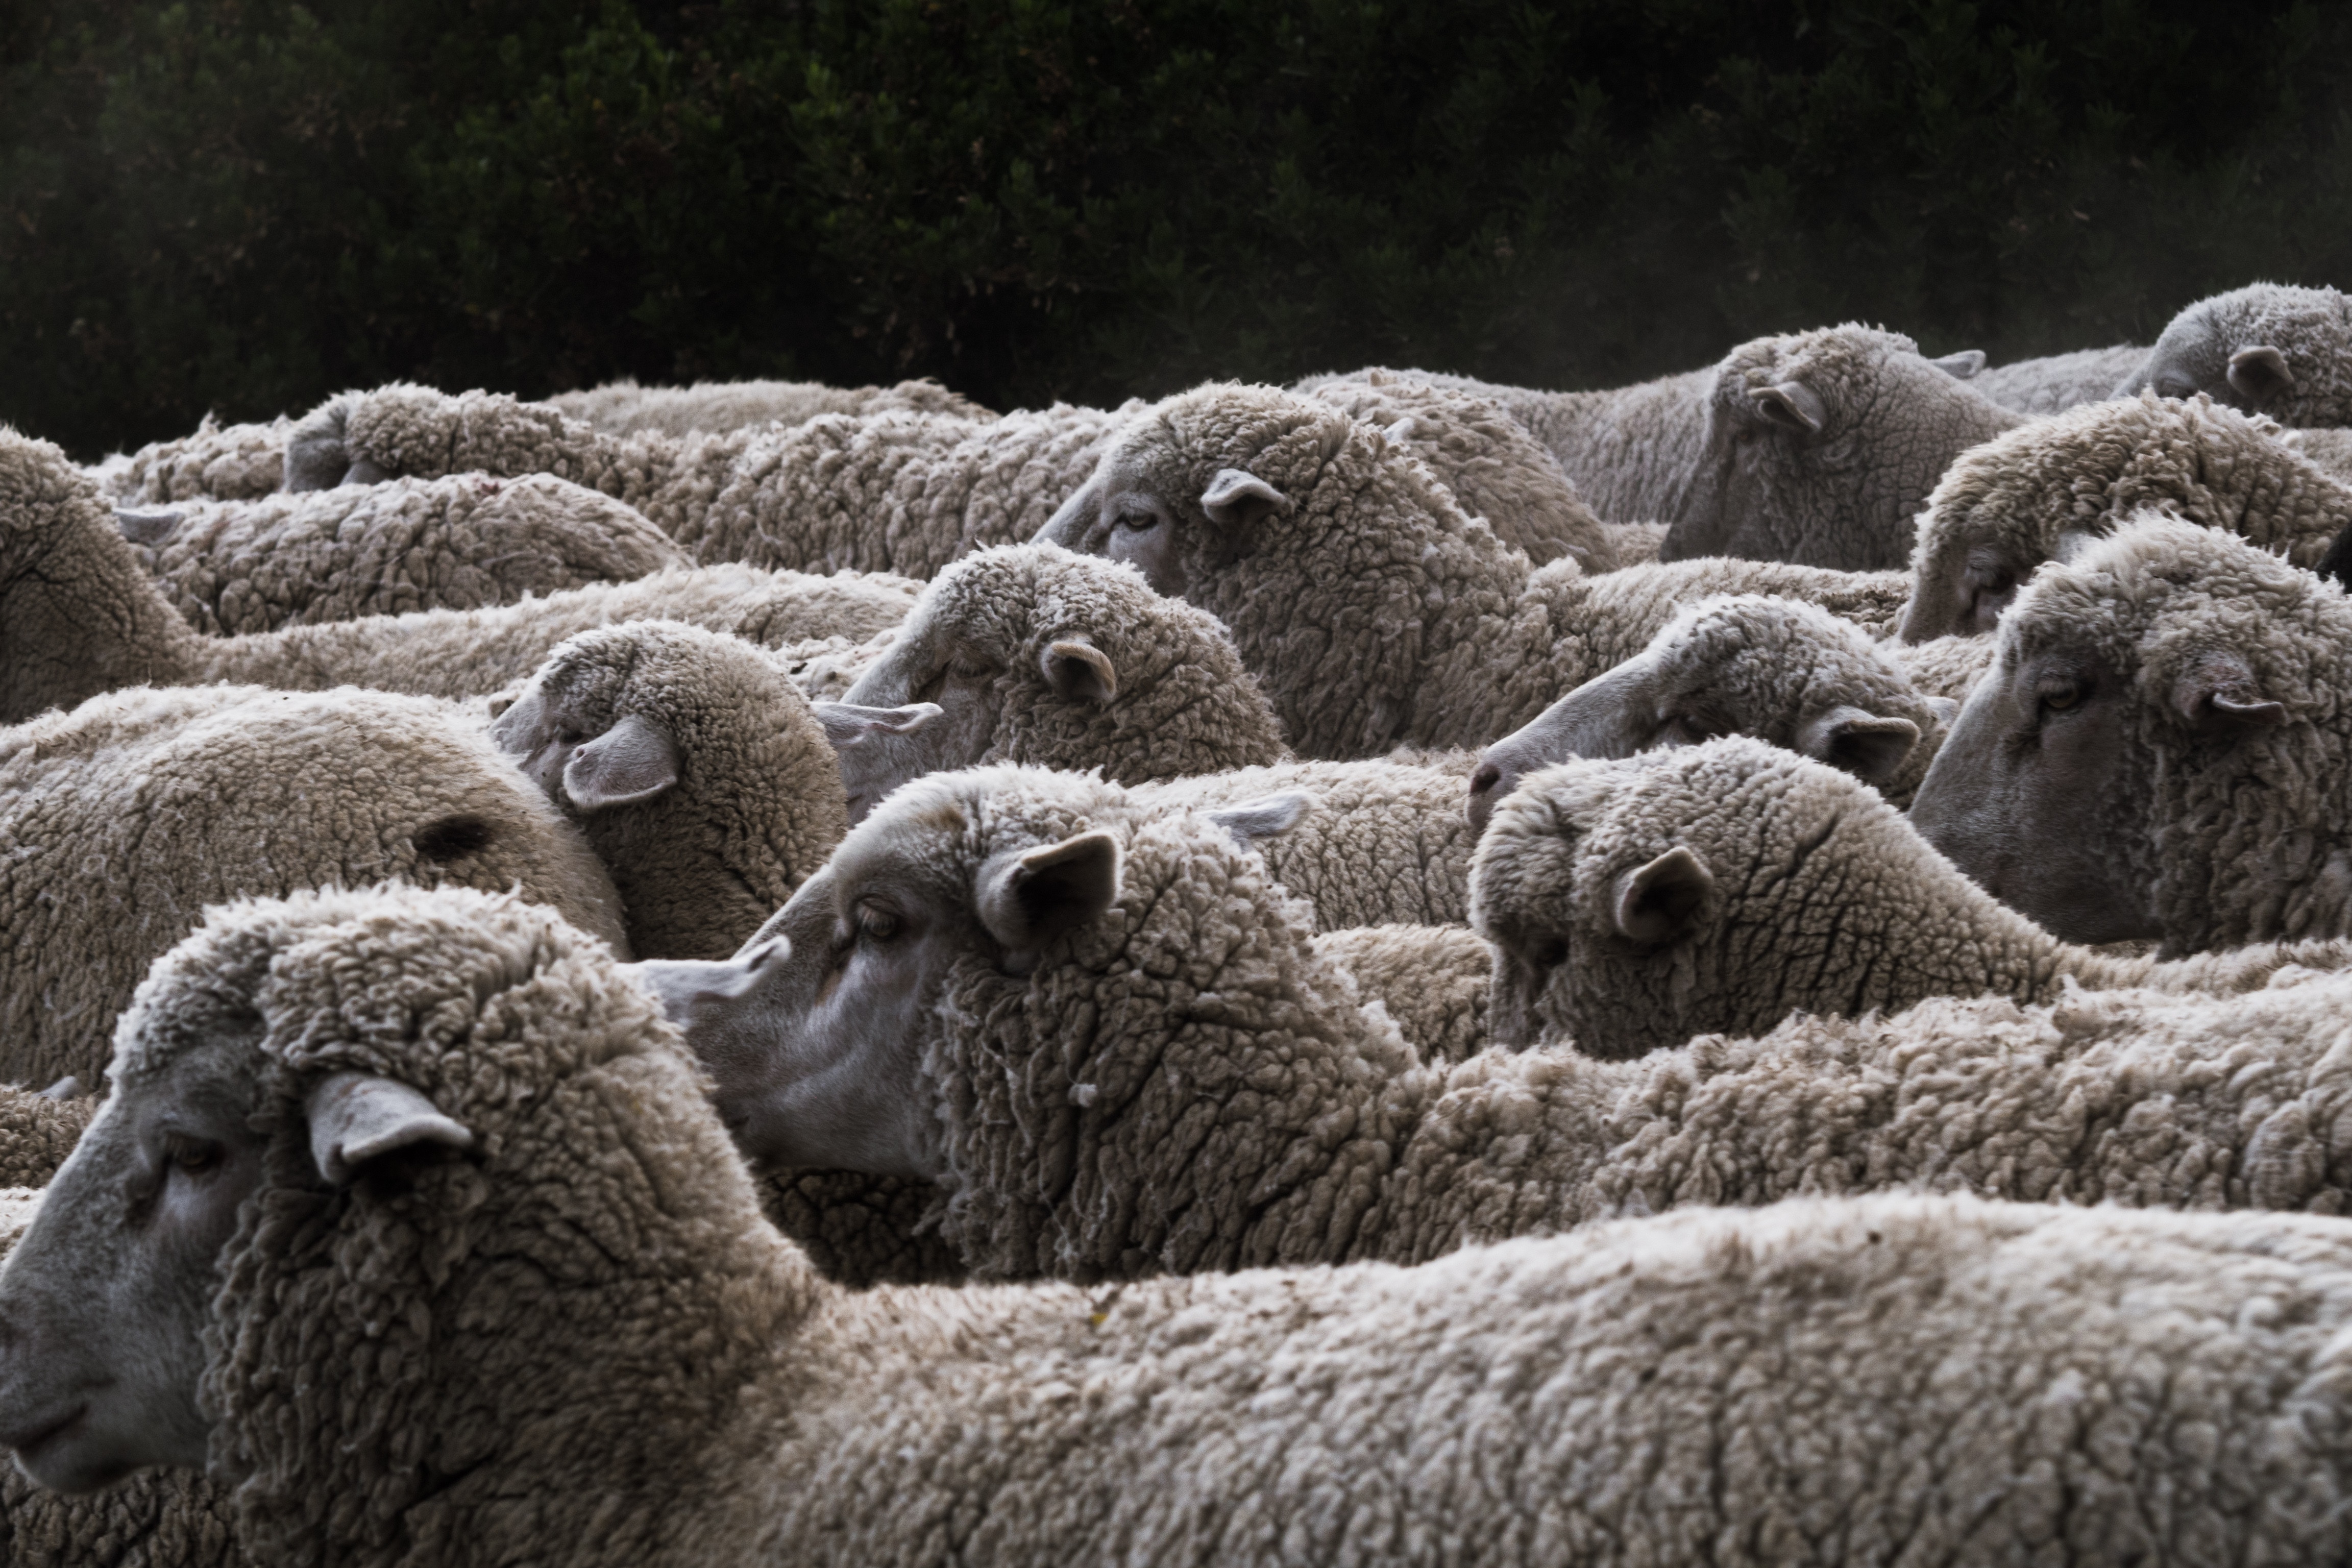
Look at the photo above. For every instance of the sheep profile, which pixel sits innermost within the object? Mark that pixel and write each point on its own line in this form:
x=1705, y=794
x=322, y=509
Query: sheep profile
x=2160, y=748
x=2267, y=348
x=1374, y=610
x=1634, y=904
x=2041, y=493
x=1740, y=664
x=457, y=1262
x=79, y=616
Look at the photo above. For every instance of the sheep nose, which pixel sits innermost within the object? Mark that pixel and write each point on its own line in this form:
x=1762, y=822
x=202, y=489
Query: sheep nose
x=1486, y=788
x=1483, y=781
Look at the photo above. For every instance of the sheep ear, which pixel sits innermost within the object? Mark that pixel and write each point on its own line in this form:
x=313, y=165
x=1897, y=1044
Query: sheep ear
x=1027, y=899
x=356, y=1117
x=2220, y=695
x=1870, y=746
x=148, y=526
x=846, y=723
x=1961, y=366
x=1079, y=672
x=627, y=764
x=1268, y=816
x=1792, y=405
x=1236, y=498
x=2260, y=373
x=1660, y=901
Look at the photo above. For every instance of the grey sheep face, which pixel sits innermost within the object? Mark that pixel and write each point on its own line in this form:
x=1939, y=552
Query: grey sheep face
x=1822, y=447
x=102, y=1310
x=576, y=750
x=1786, y=672
x=2263, y=348
x=2107, y=776
x=1147, y=507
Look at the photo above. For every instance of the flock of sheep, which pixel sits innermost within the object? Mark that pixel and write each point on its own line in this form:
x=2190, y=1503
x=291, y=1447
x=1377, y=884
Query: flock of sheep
x=1397, y=969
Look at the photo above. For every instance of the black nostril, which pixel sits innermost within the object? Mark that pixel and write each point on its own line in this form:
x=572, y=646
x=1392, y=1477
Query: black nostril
x=1487, y=776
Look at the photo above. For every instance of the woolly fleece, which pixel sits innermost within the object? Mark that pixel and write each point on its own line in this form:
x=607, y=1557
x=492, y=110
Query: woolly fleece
x=622, y=407
x=232, y=567
x=232, y=462
x=512, y=1408
x=2056, y=382
x=121, y=820
x=79, y=616
x=2034, y=495
x=37, y=1133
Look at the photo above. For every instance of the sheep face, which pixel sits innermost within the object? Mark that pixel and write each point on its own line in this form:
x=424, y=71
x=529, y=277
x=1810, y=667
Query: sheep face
x=2145, y=756
x=1789, y=673
x=1822, y=447
x=2264, y=348
x=103, y=1303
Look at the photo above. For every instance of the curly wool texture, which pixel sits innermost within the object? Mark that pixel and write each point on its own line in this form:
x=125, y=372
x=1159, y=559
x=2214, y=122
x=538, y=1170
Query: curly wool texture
x=2310, y=328
x=1185, y=704
x=2056, y=382
x=148, y=1520
x=1375, y=611
x=1821, y=899
x=622, y=407
x=1632, y=452
x=1382, y=841
x=391, y=1384
x=37, y=1133
x=2013, y=503
x=79, y=617
x=1886, y=423
x=217, y=462
x=122, y=820
x=232, y=567
x=2245, y=842
x=1495, y=468
x=885, y=492
x=1433, y=980
x=758, y=802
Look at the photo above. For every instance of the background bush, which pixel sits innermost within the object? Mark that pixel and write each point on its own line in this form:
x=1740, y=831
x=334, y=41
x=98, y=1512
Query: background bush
x=243, y=205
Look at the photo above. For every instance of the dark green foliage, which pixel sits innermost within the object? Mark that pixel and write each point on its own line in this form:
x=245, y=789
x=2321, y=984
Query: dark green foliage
x=244, y=205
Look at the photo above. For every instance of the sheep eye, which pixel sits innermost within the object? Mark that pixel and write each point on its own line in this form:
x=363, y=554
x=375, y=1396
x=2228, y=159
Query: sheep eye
x=194, y=1157
x=2059, y=698
x=2174, y=387
x=1138, y=521
x=877, y=924
x=1681, y=728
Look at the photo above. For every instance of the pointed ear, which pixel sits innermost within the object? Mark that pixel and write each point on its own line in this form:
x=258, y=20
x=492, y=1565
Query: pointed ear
x=2260, y=373
x=846, y=723
x=1237, y=497
x=1079, y=672
x=628, y=764
x=147, y=525
x=1660, y=902
x=1961, y=366
x=1268, y=816
x=2220, y=695
x=1870, y=746
x=356, y=1117
x=1027, y=899
x=1792, y=405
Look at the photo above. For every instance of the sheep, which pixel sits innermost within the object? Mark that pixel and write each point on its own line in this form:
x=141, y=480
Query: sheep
x=233, y=462
x=78, y=617
x=37, y=1130
x=1740, y=664
x=122, y=819
x=1820, y=448
x=464, y=1270
x=233, y=567
x=2268, y=348
x=1495, y=468
x=1028, y=653
x=2056, y=382
x=1375, y=611
x=1099, y=1034
x=895, y=492
x=2159, y=748
x=2039, y=493
x=694, y=768
x=1434, y=981
x=622, y=407
x=1633, y=904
